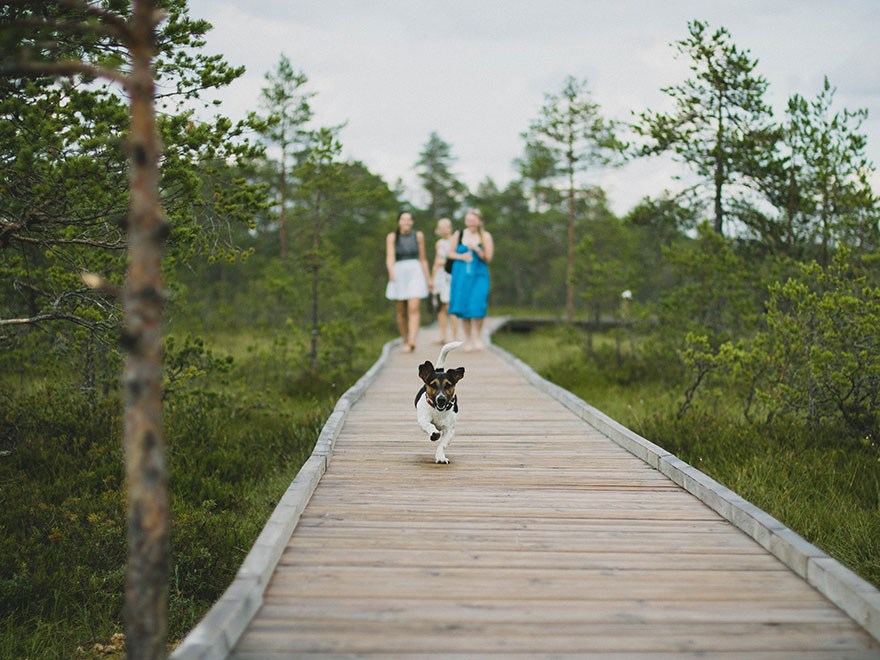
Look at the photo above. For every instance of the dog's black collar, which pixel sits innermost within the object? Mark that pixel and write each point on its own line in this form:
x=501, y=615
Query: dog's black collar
x=452, y=403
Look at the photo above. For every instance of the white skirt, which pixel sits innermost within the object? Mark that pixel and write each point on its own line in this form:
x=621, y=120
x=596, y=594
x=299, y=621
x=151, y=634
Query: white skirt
x=441, y=284
x=409, y=281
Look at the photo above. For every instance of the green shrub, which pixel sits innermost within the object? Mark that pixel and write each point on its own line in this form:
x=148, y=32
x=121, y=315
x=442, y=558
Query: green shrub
x=818, y=361
x=236, y=433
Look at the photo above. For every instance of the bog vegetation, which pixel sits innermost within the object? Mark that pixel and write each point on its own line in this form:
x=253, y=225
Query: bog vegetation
x=747, y=302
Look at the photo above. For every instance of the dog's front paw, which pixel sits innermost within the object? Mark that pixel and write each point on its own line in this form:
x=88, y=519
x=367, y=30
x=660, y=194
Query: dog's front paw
x=435, y=436
x=441, y=459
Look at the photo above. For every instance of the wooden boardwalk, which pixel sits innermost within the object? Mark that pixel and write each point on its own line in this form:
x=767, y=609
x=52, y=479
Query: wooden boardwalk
x=542, y=538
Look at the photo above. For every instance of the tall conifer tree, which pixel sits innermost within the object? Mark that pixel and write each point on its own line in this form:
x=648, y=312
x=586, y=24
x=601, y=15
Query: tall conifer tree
x=720, y=120
x=572, y=128
x=445, y=191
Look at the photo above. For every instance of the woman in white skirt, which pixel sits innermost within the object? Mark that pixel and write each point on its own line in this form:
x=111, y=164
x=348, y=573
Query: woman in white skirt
x=408, y=277
x=441, y=279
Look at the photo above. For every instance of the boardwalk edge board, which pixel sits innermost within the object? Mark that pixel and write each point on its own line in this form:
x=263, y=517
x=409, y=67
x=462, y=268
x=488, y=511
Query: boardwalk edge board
x=851, y=593
x=214, y=637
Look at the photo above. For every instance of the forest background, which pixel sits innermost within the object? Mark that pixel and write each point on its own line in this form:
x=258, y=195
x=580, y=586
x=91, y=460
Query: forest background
x=745, y=306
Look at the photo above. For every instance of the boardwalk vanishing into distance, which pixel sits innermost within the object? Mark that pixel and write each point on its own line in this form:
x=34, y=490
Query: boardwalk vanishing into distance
x=553, y=533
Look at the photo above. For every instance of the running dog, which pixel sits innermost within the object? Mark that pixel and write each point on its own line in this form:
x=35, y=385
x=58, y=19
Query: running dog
x=436, y=403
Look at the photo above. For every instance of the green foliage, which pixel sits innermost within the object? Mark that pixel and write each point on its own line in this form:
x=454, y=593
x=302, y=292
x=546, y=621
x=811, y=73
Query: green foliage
x=537, y=169
x=718, y=294
x=817, y=183
x=288, y=106
x=233, y=445
x=445, y=191
x=824, y=348
x=607, y=262
x=817, y=360
x=62, y=512
x=721, y=122
x=571, y=130
x=723, y=375
x=191, y=361
x=64, y=193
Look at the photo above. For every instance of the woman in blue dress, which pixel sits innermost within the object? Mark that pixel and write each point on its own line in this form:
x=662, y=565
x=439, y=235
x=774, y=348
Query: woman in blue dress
x=469, y=291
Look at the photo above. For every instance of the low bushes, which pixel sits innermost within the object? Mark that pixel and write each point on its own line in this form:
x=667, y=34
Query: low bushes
x=236, y=432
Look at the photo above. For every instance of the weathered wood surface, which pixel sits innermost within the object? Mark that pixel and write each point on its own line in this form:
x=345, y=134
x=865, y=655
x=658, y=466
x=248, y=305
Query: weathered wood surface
x=541, y=538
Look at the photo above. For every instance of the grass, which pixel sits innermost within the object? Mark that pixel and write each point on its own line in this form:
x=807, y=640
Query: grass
x=821, y=485
x=236, y=434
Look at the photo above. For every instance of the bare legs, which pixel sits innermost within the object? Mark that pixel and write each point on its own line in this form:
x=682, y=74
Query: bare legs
x=445, y=319
x=478, y=334
x=408, y=320
x=473, y=331
x=401, y=320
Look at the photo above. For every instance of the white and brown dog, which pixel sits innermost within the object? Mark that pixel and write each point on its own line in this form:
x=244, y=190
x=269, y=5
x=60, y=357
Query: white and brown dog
x=436, y=402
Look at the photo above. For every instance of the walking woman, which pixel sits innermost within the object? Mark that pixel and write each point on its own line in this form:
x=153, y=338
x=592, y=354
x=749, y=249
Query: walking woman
x=441, y=280
x=469, y=291
x=408, y=277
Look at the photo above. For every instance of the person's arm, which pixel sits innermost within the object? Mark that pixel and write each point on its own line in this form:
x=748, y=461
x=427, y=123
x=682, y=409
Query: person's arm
x=390, y=258
x=423, y=259
x=453, y=254
x=438, y=261
x=488, y=250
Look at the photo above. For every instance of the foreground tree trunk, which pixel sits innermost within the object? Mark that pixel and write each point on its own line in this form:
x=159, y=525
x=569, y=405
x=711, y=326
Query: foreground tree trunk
x=146, y=585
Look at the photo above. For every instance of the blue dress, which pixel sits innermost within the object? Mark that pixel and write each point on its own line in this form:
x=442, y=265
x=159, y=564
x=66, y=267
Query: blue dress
x=469, y=290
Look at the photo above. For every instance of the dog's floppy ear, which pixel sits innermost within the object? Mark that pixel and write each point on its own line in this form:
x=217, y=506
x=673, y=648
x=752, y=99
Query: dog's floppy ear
x=456, y=374
x=426, y=370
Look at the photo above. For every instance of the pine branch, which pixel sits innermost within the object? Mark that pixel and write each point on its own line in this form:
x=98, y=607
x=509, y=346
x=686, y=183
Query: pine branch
x=119, y=245
x=116, y=22
x=28, y=68
x=49, y=316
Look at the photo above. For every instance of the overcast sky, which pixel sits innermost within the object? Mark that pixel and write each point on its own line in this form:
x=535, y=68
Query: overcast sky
x=476, y=71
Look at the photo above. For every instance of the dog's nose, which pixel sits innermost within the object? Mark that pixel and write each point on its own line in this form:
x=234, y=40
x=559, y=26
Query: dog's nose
x=441, y=400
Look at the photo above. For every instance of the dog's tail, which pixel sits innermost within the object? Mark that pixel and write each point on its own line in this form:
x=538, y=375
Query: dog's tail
x=441, y=359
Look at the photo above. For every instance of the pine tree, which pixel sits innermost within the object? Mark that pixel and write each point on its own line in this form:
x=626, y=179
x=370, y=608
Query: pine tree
x=288, y=106
x=721, y=121
x=77, y=199
x=572, y=129
x=445, y=191
x=828, y=171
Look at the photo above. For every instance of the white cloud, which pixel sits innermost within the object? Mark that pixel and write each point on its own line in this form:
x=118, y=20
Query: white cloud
x=476, y=71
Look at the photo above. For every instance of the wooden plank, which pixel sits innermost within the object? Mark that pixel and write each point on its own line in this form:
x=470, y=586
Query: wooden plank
x=541, y=539
x=301, y=555
x=541, y=584
x=839, y=654
x=543, y=637
x=560, y=611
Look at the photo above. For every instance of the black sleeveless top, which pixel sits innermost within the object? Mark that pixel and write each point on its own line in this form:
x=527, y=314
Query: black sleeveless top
x=406, y=246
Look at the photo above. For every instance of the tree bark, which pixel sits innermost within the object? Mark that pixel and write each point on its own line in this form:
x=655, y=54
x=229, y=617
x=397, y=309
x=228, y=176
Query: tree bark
x=316, y=267
x=282, y=212
x=146, y=585
x=719, y=169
